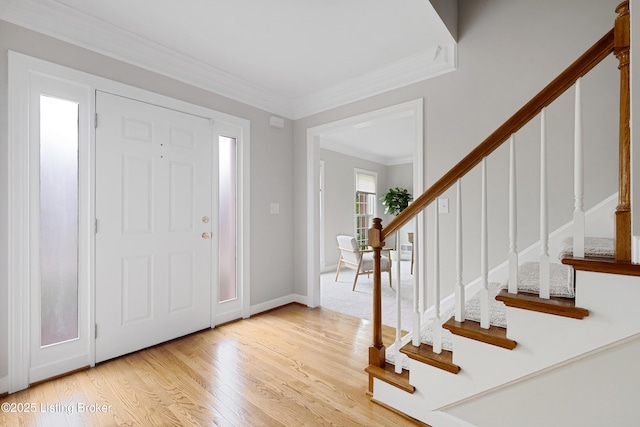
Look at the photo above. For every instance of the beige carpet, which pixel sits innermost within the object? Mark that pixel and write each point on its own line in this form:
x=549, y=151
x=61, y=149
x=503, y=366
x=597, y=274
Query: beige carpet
x=339, y=297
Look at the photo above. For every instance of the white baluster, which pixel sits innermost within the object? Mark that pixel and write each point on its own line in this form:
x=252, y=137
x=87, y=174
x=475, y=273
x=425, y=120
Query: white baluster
x=416, y=288
x=460, y=313
x=578, y=178
x=513, y=219
x=396, y=258
x=437, y=323
x=484, y=252
x=544, y=210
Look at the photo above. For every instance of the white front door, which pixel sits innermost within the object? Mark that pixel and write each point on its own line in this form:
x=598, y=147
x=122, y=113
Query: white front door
x=154, y=222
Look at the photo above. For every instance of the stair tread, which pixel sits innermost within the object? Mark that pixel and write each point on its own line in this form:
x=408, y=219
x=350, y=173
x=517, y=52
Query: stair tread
x=495, y=335
x=603, y=265
x=561, y=279
x=565, y=307
x=425, y=354
x=388, y=375
x=593, y=247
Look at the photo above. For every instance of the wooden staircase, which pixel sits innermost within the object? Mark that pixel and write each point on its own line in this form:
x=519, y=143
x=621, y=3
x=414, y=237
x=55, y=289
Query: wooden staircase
x=542, y=333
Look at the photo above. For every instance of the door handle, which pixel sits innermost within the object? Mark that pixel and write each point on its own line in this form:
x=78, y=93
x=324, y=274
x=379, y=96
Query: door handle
x=206, y=236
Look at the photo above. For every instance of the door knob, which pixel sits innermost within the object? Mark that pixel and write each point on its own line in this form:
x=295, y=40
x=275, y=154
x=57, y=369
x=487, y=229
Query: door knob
x=206, y=236
x=205, y=219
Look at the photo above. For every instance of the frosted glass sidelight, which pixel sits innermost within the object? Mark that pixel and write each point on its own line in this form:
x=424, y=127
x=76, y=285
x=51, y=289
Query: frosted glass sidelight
x=58, y=220
x=227, y=219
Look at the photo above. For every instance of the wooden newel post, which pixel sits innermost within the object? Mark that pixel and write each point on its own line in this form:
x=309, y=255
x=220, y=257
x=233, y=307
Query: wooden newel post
x=623, y=210
x=377, y=349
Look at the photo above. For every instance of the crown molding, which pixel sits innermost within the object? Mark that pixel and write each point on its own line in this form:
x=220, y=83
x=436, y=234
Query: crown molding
x=400, y=161
x=422, y=66
x=67, y=24
x=70, y=25
x=328, y=144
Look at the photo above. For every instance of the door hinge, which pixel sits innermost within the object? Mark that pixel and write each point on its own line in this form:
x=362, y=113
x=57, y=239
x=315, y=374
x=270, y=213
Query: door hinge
x=95, y=330
x=95, y=121
x=95, y=227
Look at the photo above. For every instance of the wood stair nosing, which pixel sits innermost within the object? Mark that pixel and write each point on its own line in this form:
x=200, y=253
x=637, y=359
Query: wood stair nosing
x=565, y=307
x=388, y=375
x=495, y=335
x=603, y=265
x=425, y=354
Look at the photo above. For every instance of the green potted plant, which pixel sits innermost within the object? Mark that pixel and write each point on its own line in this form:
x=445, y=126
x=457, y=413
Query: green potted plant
x=396, y=200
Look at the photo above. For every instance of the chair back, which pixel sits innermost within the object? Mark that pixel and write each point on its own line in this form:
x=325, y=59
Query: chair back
x=348, y=248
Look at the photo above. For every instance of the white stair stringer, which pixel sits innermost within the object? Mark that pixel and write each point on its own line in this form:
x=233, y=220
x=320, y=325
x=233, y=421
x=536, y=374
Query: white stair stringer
x=543, y=341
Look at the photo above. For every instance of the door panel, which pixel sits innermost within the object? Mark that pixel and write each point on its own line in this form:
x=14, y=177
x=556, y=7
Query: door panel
x=153, y=254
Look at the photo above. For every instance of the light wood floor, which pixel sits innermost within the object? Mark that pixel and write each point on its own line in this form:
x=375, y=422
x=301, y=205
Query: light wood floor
x=293, y=366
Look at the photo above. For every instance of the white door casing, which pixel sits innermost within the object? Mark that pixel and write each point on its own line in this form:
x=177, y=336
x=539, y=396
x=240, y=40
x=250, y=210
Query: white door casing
x=20, y=265
x=154, y=218
x=415, y=110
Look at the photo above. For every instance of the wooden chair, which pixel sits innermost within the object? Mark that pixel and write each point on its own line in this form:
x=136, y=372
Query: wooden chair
x=352, y=256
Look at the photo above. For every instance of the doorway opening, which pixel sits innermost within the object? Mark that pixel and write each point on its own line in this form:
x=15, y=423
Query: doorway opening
x=323, y=146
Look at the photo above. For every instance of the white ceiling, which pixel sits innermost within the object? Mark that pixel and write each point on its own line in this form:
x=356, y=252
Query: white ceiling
x=386, y=141
x=289, y=57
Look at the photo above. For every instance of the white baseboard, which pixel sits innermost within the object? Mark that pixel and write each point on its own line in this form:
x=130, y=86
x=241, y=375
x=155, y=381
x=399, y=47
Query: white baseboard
x=301, y=299
x=279, y=302
x=4, y=384
x=274, y=303
x=329, y=268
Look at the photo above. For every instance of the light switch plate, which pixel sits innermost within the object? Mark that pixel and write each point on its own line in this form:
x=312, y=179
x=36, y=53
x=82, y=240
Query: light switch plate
x=443, y=205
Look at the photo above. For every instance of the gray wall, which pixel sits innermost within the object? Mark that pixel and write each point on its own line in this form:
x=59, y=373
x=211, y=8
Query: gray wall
x=400, y=176
x=271, y=161
x=508, y=51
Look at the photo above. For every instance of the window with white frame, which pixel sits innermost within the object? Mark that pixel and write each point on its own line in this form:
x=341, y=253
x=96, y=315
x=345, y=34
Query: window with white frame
x=365, y=206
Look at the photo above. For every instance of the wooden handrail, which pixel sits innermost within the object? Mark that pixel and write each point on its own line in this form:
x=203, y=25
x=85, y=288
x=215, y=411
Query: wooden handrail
x=581, y=66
